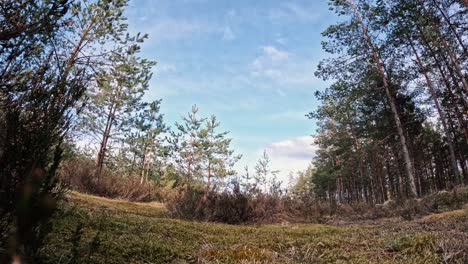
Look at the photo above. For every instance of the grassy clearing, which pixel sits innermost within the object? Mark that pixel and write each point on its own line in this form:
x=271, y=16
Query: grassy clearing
x=91, y=229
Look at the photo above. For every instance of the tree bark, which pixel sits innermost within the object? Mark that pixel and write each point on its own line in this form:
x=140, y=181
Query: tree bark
x=388, y=90
x=105, y=137
x=454, y=60
x=441, y=113
x=452, y=28
x=103, y=145
x=436, y=60
x=144, y=161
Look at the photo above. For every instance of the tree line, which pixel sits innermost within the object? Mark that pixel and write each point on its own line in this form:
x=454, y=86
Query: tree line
x=394, y=123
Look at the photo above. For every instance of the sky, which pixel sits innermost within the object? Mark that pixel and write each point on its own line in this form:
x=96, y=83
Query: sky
x=249, y=63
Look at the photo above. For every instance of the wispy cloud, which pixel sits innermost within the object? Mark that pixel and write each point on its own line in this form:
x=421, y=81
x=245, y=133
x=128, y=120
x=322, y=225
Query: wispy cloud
x=282, y=67
x=281, y=40
x=288, y=115
x=292, y=11
x=176, y=29
x=275, y=54
x=281, y=92
x=300, y=148
x=165, y=68
x=228, y=34
x=266, y=63
x=291, y=155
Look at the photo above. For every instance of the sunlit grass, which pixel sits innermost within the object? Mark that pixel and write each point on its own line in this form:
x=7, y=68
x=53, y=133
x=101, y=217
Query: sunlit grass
x=98, y=230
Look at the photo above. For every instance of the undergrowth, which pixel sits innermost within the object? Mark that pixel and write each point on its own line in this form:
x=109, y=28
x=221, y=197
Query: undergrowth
x=99, y=230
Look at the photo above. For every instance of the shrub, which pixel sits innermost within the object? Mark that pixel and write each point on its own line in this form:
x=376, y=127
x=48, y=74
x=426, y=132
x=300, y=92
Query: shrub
x=185, y=203
x=78, y=174
x=236, y=207
x=196, y=204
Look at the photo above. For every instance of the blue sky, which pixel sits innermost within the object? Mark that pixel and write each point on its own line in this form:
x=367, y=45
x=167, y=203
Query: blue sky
x=250, y=63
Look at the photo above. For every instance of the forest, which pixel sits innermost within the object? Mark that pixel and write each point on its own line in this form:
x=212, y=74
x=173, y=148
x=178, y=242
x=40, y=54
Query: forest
x=93, y=171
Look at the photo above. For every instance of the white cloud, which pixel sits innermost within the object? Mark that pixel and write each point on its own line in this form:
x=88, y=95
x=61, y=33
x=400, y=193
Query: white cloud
x=265, y=64
x=176, y=29
x=228, y=34
x=275, y=54
x=281, y=40
x=165, y=68
x=281, y=92
x=283, y=67
x=289, y=115
x=231, y=15
x=291, y=155
x=291, y=11
x=299, y=148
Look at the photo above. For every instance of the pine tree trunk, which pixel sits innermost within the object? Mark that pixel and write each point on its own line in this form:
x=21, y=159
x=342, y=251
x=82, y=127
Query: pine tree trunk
x=453, y=100
x=452, y=56
x=357, y=148
x=78, y=46
x=454, y=61
x=132, y=166
x=144, y=160
x=105, y=137
x=451, y=26
x=209, y=176
x=460, y=117
x=103, y=145
x=190, y=159
x=441, y=113
x=388, y=90
x=447, y=64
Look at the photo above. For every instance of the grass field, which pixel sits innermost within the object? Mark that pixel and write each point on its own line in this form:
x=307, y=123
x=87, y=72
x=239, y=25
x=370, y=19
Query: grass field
x=91, y=229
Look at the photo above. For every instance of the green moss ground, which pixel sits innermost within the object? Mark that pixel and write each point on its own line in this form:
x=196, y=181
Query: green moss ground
x=91, y=229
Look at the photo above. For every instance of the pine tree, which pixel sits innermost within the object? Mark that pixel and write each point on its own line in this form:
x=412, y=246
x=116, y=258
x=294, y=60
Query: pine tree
x=264, y=175
x=218, y=158
x=48, y=56
x=186, y=145
x=111, y=103
x=361, y=155
x=145, y=143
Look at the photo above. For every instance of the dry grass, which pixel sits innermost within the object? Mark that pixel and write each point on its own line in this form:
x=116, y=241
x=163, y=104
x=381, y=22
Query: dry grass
x=101, y=230
x=78, y=175
x=151, y=209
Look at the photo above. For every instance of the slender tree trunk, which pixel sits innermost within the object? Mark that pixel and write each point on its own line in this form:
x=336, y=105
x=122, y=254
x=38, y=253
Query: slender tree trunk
x=447, y=64
x=209, y=176
x=105, y=137
x=143, y=163
x=70, y=62
x=390, y=190
x=79, y=45
x=132, y=166
x=190, y=160
x=444, y=42
x=103, y=145
x=460, y=117
x=451, y=26
x=453, y=100
x=144, y=160
x=388, y=90
x=454, y=60
x=441, y=113
x=211, y=142
x=464, y=165
x=452, y=74
x=459, y=179
x=357, y=149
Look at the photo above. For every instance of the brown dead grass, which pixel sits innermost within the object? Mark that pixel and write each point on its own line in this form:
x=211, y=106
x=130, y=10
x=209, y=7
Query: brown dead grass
x=116, y=231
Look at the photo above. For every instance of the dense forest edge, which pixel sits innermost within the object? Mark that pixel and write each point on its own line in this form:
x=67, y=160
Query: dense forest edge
x=91, y=172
